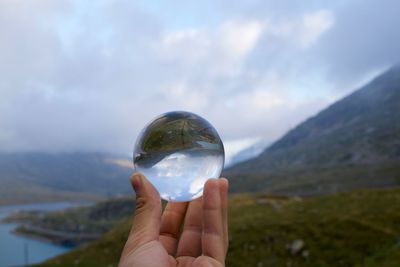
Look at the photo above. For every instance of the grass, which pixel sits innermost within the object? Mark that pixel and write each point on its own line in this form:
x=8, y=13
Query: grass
x=360, y=229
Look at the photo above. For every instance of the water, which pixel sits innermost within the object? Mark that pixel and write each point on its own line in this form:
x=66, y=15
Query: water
x=178, y=152
x=12, y=247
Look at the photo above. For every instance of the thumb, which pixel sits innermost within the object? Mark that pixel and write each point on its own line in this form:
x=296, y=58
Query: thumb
x=146, y=222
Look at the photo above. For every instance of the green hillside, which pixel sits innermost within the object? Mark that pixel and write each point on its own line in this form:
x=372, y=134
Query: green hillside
x=360, y=229
x=43, y=177
x=354, y=143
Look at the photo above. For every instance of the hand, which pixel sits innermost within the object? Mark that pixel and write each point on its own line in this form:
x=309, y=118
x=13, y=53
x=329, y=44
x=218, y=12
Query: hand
x=186, y=234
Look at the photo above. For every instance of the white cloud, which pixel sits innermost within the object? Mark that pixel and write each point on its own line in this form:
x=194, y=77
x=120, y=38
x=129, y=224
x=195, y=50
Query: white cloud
x=184, y=97
x=220, y=51
x=238, y=38
x=303, y=31
x=267, y=92
x=264, y=100
x=314, y=25
x=190, y=45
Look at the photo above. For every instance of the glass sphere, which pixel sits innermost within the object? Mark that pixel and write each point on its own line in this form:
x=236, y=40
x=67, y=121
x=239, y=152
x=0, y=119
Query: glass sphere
x=178, y=152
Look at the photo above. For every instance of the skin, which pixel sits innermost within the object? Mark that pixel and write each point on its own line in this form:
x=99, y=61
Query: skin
x=186, y=234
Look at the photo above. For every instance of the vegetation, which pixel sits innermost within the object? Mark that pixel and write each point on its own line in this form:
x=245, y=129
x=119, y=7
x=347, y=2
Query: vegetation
x=360, y=229
x=75, y=225
x=177, y=130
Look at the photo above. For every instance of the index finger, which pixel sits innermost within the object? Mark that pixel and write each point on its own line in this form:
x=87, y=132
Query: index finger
x=146, y=221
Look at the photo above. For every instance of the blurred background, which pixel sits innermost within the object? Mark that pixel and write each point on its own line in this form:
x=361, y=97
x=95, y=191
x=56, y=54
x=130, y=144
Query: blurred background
x=305, y=96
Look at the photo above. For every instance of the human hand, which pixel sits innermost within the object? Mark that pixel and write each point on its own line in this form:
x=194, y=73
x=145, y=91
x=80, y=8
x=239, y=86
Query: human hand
x=186, y=234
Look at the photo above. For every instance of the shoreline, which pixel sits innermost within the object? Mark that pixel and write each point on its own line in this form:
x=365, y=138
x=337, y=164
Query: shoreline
x=65, y=239
x=34, y=237
x=22, y=228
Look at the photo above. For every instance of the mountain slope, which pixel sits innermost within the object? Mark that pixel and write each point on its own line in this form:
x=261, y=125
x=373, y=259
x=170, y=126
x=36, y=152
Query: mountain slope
x=37, y=177
x=247, y=153
x=353, y=143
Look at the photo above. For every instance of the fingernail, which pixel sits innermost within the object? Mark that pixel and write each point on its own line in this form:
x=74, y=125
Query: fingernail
x=136, y=181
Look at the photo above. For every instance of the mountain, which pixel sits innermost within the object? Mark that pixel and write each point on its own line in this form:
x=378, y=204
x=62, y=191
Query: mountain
x=353, y=143
x=38, y=177
x=246, y=153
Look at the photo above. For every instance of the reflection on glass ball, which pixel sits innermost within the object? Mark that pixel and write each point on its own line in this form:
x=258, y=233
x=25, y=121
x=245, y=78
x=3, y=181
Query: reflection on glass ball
x=178, y=152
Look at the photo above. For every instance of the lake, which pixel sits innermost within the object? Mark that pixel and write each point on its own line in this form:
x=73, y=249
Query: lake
x=18, y=250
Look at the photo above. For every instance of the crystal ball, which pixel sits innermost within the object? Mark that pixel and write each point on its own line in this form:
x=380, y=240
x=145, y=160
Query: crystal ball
x=178, y=152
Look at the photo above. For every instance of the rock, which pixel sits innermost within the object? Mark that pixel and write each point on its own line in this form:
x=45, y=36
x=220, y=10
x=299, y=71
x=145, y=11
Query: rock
x=262, y=201
x=296, y=199
x=276, y=205
x=305, y=254
x=296, y=246
x=273, y=203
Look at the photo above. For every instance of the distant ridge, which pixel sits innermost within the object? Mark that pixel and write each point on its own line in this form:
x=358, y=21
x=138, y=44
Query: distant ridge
x=41, y=177
x=353, y=143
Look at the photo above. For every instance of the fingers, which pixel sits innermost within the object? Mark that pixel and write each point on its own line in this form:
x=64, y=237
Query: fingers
x=146, y=222
x=214, y=220
x=190, y=242
x=223, y=190
x=171, y=224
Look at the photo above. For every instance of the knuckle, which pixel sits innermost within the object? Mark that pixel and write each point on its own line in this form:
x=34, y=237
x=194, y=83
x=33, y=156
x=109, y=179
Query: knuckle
x=144, y=203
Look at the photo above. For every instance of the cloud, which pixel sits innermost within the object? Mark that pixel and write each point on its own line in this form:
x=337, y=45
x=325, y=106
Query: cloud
x=302, y=31
x=89, y=75
x=313, y=25
x=365, y=39
x=186, y=97
x=238, y=38
x=222, y=50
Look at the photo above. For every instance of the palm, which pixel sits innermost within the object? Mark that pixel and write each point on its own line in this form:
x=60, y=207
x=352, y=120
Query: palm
x=146, y=256
x=187, y=234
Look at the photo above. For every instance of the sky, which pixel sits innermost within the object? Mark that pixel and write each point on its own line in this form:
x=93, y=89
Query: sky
x=88, y=75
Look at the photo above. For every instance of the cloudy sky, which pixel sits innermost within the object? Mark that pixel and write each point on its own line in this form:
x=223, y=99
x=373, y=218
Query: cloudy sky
x=88, y=75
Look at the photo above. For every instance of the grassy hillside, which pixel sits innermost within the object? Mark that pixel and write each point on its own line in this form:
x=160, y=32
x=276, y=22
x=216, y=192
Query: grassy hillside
x=360, y=229
x=357, y=139
x=42, y=177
